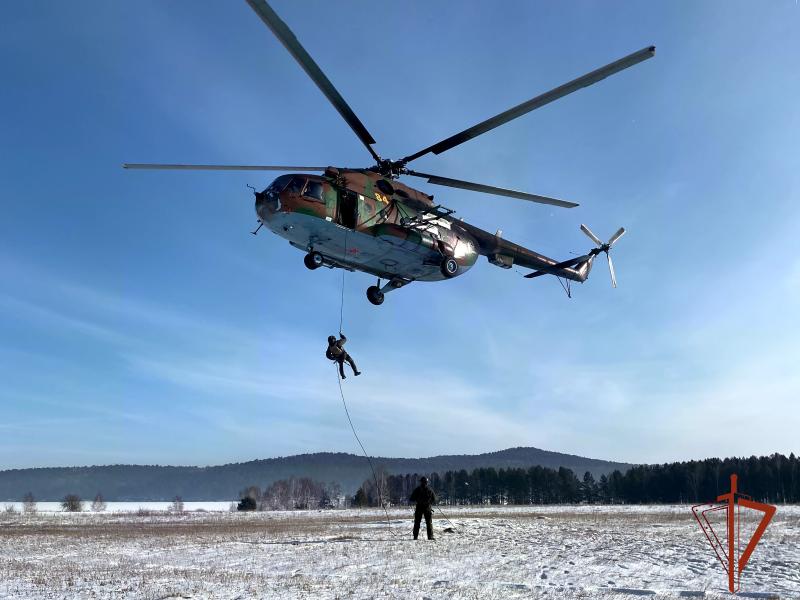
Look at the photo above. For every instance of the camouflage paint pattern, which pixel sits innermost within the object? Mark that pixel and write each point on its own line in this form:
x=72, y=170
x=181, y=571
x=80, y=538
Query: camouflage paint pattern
x=387, y=239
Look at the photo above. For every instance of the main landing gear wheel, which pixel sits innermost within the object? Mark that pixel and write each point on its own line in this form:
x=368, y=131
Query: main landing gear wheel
x=313, y=260
x=449, y=267
x=375, y=295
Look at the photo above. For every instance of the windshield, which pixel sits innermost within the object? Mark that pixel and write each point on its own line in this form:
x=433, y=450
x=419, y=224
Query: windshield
x=297, y=184
x=280, y=183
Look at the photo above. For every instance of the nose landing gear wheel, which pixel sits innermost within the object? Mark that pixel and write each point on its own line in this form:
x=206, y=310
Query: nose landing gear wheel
x=313, y=260
x=449, y=267
x=375, y=295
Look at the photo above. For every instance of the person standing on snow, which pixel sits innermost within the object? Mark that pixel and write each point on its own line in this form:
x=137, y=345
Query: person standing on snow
x=425, y=499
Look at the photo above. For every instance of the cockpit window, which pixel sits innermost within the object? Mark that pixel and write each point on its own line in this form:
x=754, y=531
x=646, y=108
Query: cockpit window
x=280, y=183
x=314, y=190
x=296, y=185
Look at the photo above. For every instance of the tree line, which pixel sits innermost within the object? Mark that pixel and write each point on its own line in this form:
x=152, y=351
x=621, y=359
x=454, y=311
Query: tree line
x=289, y=494
x=774, y=479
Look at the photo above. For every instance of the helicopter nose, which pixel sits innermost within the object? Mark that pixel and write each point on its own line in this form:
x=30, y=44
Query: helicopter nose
x=266, y=204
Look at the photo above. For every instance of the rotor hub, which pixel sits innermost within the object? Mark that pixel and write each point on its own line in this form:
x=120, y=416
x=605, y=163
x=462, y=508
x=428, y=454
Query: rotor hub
x=391, y=169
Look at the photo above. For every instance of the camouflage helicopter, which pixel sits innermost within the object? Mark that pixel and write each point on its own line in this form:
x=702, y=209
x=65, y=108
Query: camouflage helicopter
x=366, y=220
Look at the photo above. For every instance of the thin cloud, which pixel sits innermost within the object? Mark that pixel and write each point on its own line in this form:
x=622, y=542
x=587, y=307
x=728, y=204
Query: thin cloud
x=45, y=317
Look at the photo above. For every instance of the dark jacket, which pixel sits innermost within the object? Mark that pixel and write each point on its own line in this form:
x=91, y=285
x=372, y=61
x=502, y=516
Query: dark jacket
x=335, y=349
x=424, y=497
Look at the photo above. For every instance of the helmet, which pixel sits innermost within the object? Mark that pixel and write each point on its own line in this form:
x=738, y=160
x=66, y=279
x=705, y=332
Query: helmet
x=331, y=339
x=424, y=480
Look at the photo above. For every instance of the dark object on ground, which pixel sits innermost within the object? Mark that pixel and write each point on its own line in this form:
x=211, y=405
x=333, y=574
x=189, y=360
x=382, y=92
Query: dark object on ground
x=246, y=503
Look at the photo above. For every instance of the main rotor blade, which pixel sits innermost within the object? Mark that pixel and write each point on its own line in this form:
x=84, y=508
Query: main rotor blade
x=288, y=39
x=164, y=167
x=537, y=102
x=611, y=270
x=489, y=189
x=592, y=236
x=616, y=236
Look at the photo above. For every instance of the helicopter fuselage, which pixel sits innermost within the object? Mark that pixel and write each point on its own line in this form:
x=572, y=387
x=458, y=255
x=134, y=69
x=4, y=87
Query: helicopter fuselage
x=366, y=220
x=360, y=220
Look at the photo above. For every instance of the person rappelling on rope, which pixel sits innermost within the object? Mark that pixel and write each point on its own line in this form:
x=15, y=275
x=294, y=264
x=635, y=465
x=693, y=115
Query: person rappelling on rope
x=336, y=352
x=425, y=499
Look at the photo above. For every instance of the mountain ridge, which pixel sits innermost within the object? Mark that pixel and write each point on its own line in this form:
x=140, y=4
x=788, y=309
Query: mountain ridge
x=124, y=482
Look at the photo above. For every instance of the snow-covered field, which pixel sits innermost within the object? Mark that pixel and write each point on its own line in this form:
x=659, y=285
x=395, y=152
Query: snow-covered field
x=493, y=552
x=125, y=507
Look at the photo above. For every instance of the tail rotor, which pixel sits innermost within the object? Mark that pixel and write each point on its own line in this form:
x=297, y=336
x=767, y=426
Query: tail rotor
x=601, y=247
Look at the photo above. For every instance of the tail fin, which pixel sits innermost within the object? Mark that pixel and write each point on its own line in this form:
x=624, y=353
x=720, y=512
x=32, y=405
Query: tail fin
x=584, y=267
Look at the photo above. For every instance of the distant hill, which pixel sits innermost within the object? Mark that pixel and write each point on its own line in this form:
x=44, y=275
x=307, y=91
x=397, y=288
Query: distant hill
x=151, y=483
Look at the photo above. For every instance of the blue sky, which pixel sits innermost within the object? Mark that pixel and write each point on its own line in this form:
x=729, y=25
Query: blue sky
x=140, y=322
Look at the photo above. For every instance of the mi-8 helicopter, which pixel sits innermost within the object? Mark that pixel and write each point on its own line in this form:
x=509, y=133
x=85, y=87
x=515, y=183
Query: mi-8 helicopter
x=366, y=220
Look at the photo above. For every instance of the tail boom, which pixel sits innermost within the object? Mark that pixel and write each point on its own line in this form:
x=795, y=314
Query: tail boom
x=575, y=269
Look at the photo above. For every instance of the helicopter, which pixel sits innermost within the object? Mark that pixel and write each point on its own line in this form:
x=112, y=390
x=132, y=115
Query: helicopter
x=365, y=219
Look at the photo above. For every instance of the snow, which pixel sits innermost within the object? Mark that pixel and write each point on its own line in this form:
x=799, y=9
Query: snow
x=613, y=552
x=123, y=507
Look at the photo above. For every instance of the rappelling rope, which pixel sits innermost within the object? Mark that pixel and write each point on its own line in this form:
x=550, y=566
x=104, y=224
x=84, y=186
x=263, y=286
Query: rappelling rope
x=344, y=403
x=372, y=467
x=441, y=512
x=341, y=306
x=344, y=271
x=367, y=456
x=347, y=412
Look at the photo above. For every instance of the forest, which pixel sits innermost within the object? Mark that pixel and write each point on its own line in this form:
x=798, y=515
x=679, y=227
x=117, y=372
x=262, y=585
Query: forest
x=774, y=479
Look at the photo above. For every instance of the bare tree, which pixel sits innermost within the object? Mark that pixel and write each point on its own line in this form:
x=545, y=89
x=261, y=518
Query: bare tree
x=98, y=504
x=177, y=505
x=335, y=496
x=278, y=496
x=72, y=503
x=29, y=504
x=308, y=493
x=292, y=493
x=383, y=486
